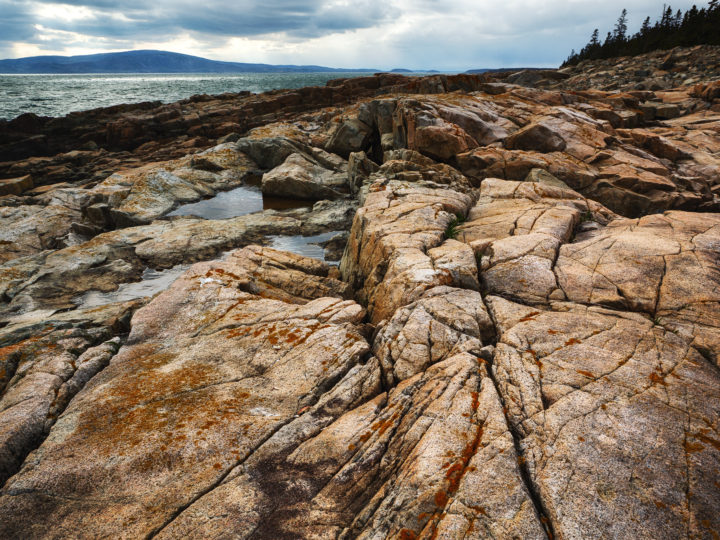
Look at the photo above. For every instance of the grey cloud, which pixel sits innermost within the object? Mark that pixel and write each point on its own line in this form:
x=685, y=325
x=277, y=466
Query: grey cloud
x=16, y=21
x=249, y=18
x=457, y=34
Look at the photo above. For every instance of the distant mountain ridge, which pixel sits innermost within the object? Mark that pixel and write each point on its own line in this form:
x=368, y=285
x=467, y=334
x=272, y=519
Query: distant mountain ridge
x=503, y=70
x=147, y=61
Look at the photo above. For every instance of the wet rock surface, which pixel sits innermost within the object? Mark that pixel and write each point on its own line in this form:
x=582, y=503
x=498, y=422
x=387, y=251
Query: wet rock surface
x=521, y=339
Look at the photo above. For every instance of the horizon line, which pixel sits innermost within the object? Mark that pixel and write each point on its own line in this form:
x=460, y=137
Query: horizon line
x=340, y=69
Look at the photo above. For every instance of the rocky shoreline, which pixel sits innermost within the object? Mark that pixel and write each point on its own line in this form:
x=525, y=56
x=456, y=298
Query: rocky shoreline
x=521, y=340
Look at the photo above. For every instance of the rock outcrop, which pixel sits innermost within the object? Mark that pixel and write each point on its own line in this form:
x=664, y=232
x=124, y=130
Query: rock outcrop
x=658, y=70
x=522, y=338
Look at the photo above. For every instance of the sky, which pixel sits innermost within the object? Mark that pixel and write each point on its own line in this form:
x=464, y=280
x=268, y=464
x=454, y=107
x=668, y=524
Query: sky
x=378, y=34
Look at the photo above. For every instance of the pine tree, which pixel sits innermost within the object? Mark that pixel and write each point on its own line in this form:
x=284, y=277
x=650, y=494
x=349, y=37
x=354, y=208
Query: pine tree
x=645, y=28
x=666, y=21
x=621, y=26
x=677, y=22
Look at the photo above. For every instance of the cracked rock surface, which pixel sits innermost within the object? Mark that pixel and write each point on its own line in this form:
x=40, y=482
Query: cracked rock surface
x=616, y=419
x=521, y=339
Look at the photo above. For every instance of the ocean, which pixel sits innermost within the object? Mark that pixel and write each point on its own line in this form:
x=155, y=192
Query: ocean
x=58, y=95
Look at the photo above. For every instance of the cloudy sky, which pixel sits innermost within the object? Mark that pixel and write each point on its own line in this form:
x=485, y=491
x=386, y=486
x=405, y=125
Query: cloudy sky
x=381, y=34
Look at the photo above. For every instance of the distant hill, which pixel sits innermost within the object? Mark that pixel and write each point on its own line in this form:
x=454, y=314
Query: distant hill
x=501, y=70
x=147, y=62
x=404, y=70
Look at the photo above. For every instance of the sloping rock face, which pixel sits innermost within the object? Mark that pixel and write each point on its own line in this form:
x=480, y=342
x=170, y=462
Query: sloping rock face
x=43, y=364
x=415, y=459
x=30, y=229
x=578, y=379
x=658, y=70
x=662, y=265
x=213, y=365
x=521, y=339
x=615, y=419
x=388, y=255
x=191, y=401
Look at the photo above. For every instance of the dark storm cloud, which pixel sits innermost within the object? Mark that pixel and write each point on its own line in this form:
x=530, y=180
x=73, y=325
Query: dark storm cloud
x=16, y=21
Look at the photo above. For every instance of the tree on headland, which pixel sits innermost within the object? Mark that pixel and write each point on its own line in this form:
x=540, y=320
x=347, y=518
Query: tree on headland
x=694, y=27
x=621, y=27
x=645, y=28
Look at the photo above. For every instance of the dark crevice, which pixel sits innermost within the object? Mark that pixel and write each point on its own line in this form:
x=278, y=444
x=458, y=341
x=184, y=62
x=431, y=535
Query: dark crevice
x=532, y=490
x=8, y=370
x=702, y=351
x=374, y=150
x=272, y=525
x=15, y=457
x=530, y=486
x=659, y=287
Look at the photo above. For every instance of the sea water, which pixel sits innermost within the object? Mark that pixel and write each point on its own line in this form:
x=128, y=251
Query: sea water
x=58, y=95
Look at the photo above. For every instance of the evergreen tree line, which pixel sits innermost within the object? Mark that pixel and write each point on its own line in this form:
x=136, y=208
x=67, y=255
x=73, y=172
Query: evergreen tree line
x=673, y=29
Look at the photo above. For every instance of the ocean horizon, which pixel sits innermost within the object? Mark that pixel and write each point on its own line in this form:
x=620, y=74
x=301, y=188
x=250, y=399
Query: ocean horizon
x=60, y=94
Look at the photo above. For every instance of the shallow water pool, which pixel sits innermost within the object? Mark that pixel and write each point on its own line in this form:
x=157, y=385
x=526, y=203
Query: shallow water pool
x=237, y=202
x=153, y=281
x=307, y=246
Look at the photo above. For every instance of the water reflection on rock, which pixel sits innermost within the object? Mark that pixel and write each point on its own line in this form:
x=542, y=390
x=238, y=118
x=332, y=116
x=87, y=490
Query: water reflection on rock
x=307, y=246
x=153, y=281
x=236, y=202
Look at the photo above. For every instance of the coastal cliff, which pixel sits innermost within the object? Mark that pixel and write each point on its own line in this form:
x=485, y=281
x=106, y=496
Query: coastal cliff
x=521, y=338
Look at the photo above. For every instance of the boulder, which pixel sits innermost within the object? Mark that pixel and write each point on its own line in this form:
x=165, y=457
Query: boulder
x=537, y=137
x=268, y=153
x=300, y=178
x=543, y=177
x=441, y=128
x=350, y=135
x=707, y=91
x=662, y=111
x=412, y=166
x=30, y=229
